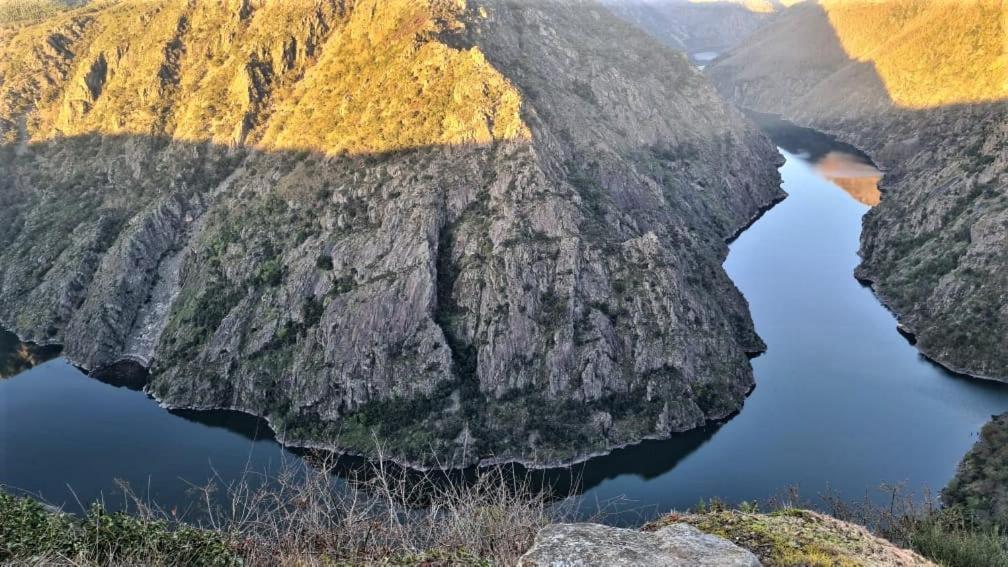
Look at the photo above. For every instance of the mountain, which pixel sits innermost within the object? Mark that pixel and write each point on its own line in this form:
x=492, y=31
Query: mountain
x=466, y=231
x=696, y=26
x=922, y=86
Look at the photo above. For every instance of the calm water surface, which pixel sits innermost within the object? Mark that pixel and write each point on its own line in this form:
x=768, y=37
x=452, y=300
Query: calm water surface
x=842, y=402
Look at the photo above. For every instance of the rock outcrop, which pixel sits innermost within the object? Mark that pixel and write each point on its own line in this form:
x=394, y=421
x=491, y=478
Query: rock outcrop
x=472, y=232
x=923, y=88
x=793, y=536
x=674, y=545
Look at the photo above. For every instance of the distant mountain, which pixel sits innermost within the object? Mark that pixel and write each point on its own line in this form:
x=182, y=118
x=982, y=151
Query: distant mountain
x=472, y=232
x=696, y=26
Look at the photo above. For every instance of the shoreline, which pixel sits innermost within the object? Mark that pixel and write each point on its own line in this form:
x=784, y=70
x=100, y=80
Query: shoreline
x=528, y=464
x=866, y=281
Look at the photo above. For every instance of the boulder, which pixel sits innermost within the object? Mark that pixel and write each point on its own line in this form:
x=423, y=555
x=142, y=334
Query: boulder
x=570, y=545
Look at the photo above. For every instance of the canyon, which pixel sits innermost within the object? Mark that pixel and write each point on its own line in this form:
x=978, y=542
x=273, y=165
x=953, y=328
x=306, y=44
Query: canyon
x=469, y=232
x=923, y=88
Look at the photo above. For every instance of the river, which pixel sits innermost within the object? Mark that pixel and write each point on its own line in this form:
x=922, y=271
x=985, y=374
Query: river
x=843, y=402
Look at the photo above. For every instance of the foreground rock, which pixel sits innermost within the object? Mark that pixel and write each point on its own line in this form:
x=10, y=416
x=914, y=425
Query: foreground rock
x=923, y=88
x=674, y=545
x=800, y=537
x=475, y=231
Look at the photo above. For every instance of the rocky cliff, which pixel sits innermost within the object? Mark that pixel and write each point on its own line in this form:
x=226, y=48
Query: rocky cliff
x=921, y=86
x=469, y=231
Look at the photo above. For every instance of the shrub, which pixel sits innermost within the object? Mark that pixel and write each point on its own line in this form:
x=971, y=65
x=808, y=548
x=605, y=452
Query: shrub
x=30, y=532
x=271, y=273
x=324, y=262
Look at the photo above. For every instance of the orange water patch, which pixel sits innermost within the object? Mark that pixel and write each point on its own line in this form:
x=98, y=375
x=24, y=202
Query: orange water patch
x=859, y=179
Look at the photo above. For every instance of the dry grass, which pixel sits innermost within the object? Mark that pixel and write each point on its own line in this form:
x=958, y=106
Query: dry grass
x=384, y=514
x=306, y=515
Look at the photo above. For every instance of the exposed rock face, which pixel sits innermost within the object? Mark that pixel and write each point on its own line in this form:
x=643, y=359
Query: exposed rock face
x=922, y=87
x=674, y=545
x=471, y=231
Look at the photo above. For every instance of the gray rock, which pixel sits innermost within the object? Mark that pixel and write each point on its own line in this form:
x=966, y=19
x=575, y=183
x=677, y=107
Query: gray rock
x=541, y=298
x=576, y=545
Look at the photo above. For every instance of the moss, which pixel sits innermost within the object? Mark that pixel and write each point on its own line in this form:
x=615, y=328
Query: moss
x=786, y=538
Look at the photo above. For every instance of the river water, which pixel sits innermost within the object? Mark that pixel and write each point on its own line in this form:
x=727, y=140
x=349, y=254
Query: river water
x=843, y=403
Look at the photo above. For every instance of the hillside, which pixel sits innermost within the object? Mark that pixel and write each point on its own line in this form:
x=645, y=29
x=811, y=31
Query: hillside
x=695, y=26
x=921, y=86
x=981, y=483
x=470, y=231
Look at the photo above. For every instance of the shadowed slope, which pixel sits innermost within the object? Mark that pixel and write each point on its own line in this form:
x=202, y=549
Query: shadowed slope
x=505, y=240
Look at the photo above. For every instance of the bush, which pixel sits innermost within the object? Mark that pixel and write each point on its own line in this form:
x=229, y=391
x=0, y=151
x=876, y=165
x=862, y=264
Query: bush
x=950, y=539
x=950, y=536
x=29, y=532
x=271, y=274
x=324, y=262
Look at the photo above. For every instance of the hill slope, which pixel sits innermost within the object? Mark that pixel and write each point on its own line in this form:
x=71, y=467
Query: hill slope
x=692, y=26
x=921, y=86
x=473, y=231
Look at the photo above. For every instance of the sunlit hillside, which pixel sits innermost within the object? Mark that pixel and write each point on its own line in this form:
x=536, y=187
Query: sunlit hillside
x=286, y=75
x=24, y=11
x=928, y=53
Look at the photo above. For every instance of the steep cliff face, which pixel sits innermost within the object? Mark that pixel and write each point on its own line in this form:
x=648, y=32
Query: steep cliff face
x=922, y=86
x=471, y=231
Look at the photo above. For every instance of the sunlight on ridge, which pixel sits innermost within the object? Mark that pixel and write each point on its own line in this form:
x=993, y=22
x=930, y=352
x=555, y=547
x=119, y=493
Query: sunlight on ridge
x=295, y=75
x=928, y=54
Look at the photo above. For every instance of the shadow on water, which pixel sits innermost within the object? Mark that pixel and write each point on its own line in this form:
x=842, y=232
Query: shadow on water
x=812, y=145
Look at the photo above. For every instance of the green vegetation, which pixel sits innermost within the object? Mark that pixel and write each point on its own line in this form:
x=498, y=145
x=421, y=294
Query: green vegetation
x=952, y=538
x=24, y=11
x=31, y=533
x=981, y=483
x=324, y=262
x=853, y=535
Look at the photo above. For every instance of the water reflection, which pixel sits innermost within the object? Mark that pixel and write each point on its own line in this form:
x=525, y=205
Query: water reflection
x=844, y=165
x=16, y=356
x=838, y=403
x=858, y=178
